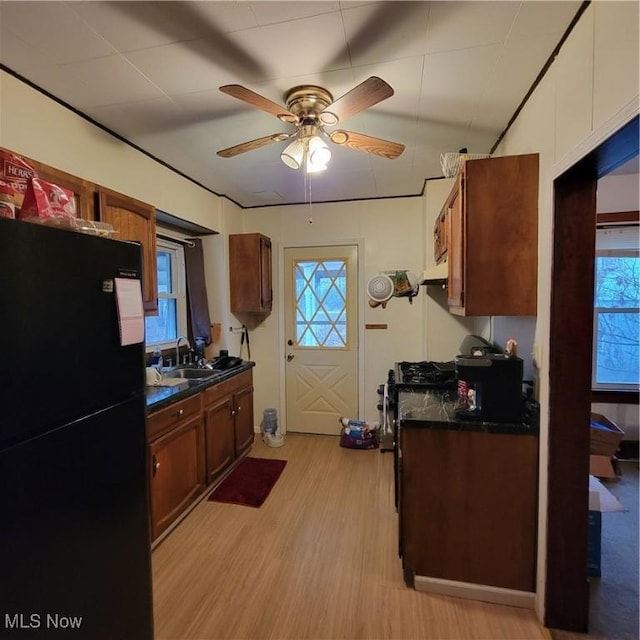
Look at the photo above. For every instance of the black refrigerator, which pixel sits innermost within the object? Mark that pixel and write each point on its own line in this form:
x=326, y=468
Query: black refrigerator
x=75, y=547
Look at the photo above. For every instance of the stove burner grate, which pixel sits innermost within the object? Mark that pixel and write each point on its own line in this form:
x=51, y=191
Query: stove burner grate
x=425, y=373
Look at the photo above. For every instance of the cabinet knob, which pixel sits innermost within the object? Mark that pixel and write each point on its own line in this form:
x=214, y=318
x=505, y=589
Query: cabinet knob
x=180, y=412
x=155, y=465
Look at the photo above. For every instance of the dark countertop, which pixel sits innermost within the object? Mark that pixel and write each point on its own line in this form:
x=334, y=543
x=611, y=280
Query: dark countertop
x=435, y=409
x=160, y=397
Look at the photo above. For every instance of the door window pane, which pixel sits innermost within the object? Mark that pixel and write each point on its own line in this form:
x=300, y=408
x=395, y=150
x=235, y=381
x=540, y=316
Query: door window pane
x=321, y=293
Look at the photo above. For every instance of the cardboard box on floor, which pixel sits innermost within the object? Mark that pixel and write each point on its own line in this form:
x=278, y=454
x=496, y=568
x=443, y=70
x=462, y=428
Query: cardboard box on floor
x=605, y=435
x=601, y=467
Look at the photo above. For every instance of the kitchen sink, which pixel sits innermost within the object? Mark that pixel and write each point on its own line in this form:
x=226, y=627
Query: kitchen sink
x=191, y=373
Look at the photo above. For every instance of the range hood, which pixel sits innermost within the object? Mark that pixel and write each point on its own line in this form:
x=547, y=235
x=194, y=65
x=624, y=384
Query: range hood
x=436, y=275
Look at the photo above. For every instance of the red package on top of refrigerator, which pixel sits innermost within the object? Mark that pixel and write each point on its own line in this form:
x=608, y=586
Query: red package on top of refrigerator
x=45, y=200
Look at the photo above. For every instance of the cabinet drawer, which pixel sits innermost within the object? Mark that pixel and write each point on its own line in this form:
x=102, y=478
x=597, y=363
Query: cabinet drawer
x=165, y=419
x=227, y=388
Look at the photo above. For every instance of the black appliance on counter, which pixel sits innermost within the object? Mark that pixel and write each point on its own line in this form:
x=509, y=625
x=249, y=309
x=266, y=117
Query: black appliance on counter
x=489, y=388
x=75, y=544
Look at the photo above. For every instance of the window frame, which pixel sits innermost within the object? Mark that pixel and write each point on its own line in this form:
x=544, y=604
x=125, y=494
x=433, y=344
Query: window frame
x=179, y=290
x=601, y=388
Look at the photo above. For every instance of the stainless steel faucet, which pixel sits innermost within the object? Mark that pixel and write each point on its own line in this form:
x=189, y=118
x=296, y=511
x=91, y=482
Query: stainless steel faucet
x=178, y=348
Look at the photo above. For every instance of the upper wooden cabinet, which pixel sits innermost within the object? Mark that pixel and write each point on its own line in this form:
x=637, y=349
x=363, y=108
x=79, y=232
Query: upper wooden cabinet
x=250, y=273
x=492, y=252
x=136, y=221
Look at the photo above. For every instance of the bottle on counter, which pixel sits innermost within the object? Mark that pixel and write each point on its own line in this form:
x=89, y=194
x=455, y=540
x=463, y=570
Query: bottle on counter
x=156, y=360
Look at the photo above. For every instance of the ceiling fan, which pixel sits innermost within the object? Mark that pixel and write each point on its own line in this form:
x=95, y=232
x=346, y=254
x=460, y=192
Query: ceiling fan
x=310, y=109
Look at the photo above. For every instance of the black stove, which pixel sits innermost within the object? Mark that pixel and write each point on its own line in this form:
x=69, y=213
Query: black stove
x=425, y=375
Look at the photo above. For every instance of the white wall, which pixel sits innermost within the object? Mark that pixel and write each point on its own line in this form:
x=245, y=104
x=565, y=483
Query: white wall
x=392, y=236
x=618, y=193
x=588, y=93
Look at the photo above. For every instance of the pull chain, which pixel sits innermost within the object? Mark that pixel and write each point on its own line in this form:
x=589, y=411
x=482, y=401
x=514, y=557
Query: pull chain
x=307, y=182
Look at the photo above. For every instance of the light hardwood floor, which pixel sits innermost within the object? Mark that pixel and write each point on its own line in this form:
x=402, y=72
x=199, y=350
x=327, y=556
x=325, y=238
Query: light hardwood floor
x=318, y=560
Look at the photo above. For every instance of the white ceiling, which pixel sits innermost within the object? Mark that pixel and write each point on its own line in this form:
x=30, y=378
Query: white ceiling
x=150, y=72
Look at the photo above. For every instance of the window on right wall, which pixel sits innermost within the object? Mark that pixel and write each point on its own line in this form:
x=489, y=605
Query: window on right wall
x=616, y=326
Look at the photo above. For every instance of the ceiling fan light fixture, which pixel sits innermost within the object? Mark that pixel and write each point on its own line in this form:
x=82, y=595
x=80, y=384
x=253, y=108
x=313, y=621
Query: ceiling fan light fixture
x=293, y=154
x=310, y=167
x=319, y=153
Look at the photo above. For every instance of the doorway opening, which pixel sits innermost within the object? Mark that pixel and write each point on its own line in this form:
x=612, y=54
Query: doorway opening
x=570, y=366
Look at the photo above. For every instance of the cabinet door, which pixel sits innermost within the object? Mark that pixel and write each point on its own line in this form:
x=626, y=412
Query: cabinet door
x=219, y=437
x=250, y=273
x=456, y=257
x=493, y=247
x=135, y=221
x=265, y=275
x=478, y=525
x=243, y=401
x=177, y=472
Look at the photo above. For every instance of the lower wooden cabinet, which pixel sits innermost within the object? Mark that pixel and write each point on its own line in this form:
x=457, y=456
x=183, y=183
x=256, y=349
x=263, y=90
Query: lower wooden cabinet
x=193, y=442
x=177, y=472
x=243, y=402
x=468, y=507
x=220, y=440
x=228, y=422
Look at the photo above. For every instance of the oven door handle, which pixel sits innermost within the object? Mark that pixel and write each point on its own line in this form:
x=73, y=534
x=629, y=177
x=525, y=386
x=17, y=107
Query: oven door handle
x=385, y=408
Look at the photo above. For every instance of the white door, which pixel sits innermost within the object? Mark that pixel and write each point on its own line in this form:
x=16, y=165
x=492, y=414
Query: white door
x=321, y=334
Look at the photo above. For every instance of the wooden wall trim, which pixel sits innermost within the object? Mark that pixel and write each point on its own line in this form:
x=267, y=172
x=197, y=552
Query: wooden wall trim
x=567, y=589
x=615, y=397
x=617, y=217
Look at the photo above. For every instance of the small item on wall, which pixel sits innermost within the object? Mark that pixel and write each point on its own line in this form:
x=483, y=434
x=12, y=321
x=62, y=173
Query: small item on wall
x=380, y=289
x=405, y=283
x=392, y=284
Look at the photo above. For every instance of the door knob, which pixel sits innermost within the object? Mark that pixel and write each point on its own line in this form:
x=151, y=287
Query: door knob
x=290, y=342
x=290, y=357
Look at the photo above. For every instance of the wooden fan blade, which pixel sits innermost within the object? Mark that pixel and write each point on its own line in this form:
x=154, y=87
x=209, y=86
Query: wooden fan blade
x=361, y=97
x=258, y=101
x=369, y=144
x=253, y=144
